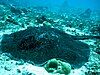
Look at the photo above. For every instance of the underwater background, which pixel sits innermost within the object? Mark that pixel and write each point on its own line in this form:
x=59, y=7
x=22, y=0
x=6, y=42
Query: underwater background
x=49, y=37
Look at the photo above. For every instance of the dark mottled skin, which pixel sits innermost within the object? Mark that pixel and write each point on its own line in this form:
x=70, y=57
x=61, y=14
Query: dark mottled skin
x=40, y=44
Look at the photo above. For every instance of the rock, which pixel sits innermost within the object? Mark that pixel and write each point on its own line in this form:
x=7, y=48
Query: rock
x=57, y=66
x=41, y=19
x=40, y=44
x=7, y=68
x=15, y=10
x=20, y=62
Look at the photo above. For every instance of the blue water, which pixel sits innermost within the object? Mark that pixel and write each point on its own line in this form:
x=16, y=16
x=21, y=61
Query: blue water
x=54, y=4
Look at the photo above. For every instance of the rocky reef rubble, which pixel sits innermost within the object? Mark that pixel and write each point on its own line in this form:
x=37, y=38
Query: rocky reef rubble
x=12, y=67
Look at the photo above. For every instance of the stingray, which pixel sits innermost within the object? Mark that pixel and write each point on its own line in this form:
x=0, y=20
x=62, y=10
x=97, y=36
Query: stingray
x=40, y=44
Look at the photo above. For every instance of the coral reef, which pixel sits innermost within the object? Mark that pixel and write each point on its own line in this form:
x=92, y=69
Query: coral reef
x=84, y=27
